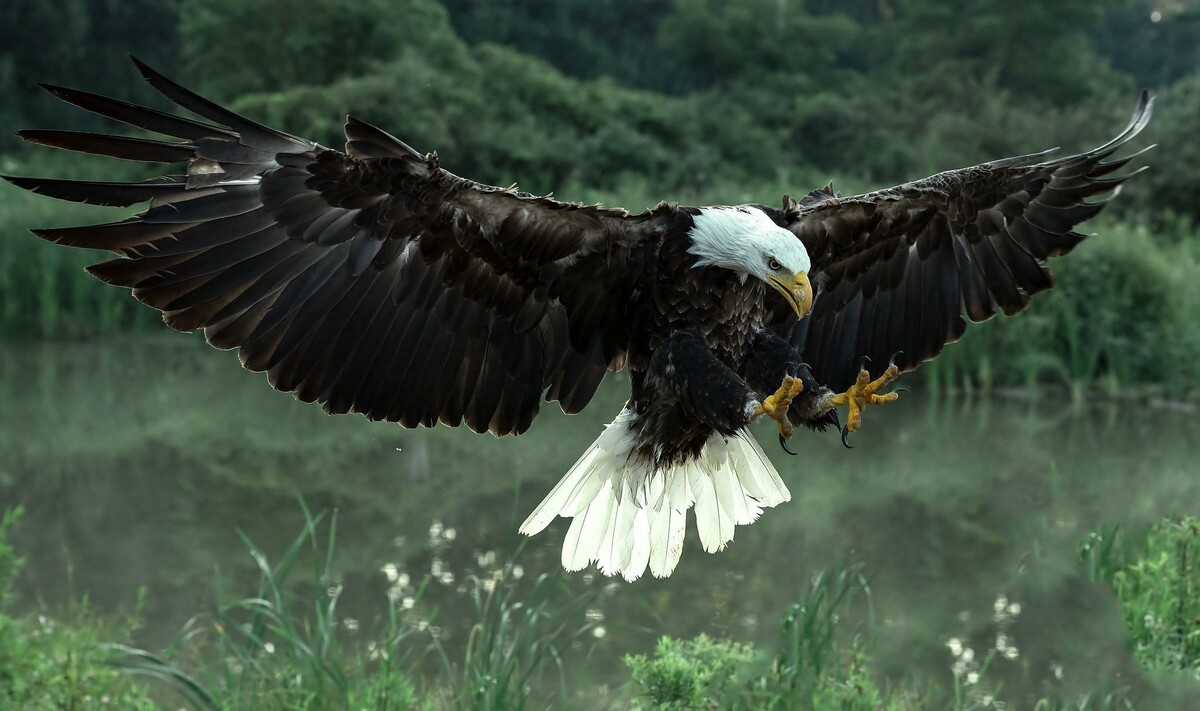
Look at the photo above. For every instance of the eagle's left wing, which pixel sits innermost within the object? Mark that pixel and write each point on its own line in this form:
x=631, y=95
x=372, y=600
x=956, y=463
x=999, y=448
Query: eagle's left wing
x=903, y=269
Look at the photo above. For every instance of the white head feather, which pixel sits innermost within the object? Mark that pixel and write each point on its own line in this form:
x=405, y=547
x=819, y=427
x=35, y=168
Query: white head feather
x=745, y=240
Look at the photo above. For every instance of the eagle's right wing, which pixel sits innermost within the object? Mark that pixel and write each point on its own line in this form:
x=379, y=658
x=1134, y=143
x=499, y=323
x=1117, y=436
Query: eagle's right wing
x=371, y=281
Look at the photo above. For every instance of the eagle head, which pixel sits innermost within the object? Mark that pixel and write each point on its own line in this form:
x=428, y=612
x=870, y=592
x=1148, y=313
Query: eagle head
x=746, y=240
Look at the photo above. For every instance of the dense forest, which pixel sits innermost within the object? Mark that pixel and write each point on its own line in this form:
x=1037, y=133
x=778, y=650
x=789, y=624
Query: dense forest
x=679, y=93
x=632, y=101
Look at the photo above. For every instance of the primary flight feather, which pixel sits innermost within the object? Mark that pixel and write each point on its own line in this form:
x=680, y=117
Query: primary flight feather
x=374, y=281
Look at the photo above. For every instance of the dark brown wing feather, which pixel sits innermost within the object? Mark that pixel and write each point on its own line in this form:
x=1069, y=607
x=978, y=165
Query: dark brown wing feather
x=371, y=281
x=904, y=269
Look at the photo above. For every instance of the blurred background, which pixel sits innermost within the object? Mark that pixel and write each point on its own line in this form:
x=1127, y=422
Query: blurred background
x=992, y=544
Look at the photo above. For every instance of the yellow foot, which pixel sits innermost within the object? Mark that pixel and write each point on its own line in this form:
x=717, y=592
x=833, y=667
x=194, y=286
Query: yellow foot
x=864, y=392
x=776, y=407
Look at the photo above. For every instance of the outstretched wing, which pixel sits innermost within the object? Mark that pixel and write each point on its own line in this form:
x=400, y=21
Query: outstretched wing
x=371, y=281
x=903, y=269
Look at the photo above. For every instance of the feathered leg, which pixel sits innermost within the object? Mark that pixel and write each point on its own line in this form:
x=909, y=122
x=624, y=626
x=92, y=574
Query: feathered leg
x=772, y=359
x=707, y=390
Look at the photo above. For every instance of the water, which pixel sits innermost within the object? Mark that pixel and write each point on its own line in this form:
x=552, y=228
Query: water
x=138, y=462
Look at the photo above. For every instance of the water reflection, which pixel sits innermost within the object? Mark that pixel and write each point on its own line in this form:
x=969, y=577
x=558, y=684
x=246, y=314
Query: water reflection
x=138, y=462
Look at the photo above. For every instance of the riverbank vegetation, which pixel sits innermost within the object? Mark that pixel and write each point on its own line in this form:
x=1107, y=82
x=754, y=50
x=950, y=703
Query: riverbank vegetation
x=286, y=646
x=627, y=109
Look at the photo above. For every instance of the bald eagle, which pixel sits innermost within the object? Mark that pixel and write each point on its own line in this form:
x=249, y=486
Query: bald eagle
x=372, y=280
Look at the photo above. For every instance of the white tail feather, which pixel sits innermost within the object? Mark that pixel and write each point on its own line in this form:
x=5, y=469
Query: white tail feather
x=629, y=516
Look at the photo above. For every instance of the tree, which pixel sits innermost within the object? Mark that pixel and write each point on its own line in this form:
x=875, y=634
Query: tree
x=1029, y=47
x=305, y=42
x=727, y=41
x=75, y=42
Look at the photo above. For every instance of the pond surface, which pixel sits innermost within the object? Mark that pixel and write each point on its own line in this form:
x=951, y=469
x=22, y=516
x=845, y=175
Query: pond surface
x=139, y=461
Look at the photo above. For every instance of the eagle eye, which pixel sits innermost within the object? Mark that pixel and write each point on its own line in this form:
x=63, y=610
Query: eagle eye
x=774, y=265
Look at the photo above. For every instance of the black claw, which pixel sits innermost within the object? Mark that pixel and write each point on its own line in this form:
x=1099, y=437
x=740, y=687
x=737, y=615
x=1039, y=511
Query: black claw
x=900, y=390
x=895, y=355
x=783, y=444
x=866, y=360
x=837, y=419
x=845, y=441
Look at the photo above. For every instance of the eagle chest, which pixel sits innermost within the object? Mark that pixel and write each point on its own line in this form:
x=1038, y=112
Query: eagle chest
x=715, y=305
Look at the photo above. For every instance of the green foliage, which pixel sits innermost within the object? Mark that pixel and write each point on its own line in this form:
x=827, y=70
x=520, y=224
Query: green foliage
x=586, y=40
x=688, y=674
x=10, y=563
x=818, y=665
x=517, y=634
x=1160, y=595
x=283, y=647
x=1169, y=188
x=989, y=47
x=1156, y=577
x=44, y=291
x=57, y=662
x=80, y=42
x=1156, y=52
x=279, y=648
x=727, y=41
x=1120, y=315
x=302, y=42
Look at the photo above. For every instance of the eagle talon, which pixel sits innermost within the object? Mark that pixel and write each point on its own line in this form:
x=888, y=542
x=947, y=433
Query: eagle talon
x=845, y=438
x=783, y=445
x=776, y=407
x=865, y=392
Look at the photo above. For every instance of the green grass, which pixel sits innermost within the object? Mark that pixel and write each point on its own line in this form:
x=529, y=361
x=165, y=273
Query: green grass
x=59, y=662
x=281, y=647
x=823, y=661
x=1157, y=580
x=284, y=645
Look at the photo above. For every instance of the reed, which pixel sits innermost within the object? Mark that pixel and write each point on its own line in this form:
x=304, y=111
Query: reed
x=281, y=648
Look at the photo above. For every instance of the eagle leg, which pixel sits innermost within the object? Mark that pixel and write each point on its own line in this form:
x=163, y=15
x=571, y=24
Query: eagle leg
x=769, y=360
x=776, y=407
x=862, y=393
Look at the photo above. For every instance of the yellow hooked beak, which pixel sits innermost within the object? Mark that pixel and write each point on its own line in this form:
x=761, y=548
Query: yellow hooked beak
x=798, y=292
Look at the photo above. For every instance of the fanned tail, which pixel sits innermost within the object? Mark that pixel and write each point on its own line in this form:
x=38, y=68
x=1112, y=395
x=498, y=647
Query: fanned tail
x=629, y=515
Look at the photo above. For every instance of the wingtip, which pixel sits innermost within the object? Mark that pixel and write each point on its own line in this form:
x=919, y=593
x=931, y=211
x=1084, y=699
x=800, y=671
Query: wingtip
x=24, y=182
x=54, y=89
x=149, y=73
x=141, y=66
x=31, y=135
x=1145, y=104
